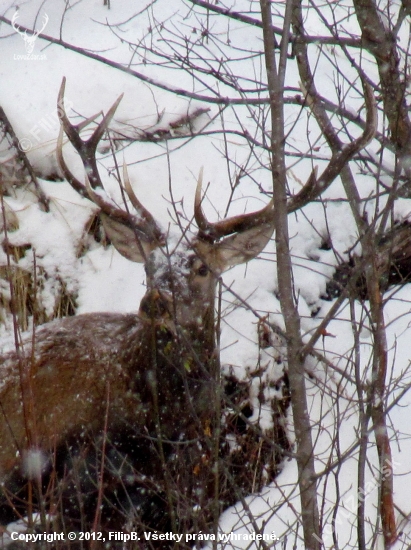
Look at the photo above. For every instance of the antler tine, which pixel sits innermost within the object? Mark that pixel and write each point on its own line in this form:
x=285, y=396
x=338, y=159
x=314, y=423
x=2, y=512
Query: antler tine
x=340, y=157
x=143, y=212
x=235, y=224
x=74, y=182
x=202, y=222
x=86, y=149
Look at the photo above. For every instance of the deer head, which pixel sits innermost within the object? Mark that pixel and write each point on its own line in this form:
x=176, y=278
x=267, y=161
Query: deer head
x=29, y=41
x=126, y=382
x=181, y=278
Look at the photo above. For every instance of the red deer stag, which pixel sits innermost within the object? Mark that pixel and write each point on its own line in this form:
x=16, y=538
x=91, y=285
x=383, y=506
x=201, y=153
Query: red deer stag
x=118, y=410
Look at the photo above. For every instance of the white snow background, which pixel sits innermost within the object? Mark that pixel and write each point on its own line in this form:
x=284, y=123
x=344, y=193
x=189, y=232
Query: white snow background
x=104, y=281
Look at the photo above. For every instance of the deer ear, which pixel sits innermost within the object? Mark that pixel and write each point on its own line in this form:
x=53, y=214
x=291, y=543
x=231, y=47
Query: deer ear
x=132, y=243
x=242, y=247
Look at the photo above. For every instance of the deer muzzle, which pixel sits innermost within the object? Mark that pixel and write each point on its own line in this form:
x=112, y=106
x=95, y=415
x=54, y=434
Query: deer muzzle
x=156, y=305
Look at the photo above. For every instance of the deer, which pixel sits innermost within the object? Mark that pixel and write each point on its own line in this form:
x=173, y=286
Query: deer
x=121, y=409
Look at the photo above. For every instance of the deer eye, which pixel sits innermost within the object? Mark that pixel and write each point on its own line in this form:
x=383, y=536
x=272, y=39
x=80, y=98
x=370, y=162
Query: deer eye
x=203, y=270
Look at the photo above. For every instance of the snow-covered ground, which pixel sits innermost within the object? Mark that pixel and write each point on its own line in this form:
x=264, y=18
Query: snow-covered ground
x=166, y=172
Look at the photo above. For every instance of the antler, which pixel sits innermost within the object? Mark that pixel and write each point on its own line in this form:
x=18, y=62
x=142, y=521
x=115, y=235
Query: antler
x=236, y=224
x=342, y=153
x=46, y=20
x=15, y=27
x=35, y=33
x=311, y=190
x=86, y=149
x=133, y=236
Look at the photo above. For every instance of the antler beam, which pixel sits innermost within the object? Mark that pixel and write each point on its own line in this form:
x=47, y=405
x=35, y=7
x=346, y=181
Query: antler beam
x=236, y=224
x=121, y=225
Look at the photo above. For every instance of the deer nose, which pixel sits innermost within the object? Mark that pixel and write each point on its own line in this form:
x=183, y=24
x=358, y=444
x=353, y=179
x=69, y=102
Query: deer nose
x=155, y=304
